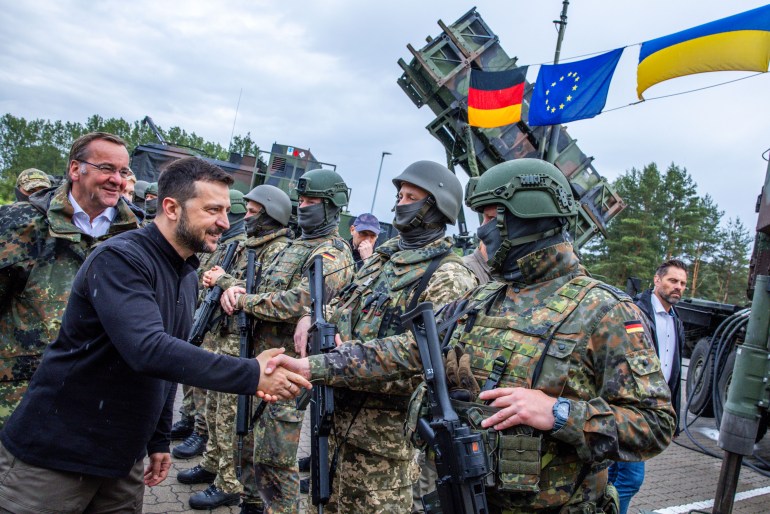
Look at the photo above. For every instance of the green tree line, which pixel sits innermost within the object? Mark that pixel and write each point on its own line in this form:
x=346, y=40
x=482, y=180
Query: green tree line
x=666, y=218
x=45, y=144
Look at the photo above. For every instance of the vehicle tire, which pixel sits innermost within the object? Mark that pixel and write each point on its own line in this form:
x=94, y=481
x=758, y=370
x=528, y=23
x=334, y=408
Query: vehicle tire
x=723, y=387
x=699, y=379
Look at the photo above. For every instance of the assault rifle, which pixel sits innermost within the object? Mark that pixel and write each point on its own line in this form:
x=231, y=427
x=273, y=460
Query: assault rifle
x=461, y=458
x=202, y=319
x=322, y=397
x=242, y=421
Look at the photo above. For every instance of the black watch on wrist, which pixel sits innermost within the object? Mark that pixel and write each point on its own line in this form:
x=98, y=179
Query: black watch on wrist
x=560, y=413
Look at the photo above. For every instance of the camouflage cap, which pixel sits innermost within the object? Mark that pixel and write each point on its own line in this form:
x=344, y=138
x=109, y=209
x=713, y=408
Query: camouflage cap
x=237, y=203
x=33, y=179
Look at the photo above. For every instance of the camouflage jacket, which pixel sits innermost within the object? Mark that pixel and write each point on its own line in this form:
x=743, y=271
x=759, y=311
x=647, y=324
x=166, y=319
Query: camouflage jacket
x=225, y=336
x=283, y=295
x=41, y=253
x=597, y=357
x=371, y=307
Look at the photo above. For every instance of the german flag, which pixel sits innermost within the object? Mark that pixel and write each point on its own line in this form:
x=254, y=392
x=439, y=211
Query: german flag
x=494, y=97
x=634, y=326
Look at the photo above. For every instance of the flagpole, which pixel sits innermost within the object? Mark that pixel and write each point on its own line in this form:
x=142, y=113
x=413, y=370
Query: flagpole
x=551, y=135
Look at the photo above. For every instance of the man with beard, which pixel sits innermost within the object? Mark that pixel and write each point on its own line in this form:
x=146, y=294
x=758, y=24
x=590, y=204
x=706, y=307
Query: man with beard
x=281, y=300
x=565, y=360
x=102, y=397
x=267, y=214
x=376, y=463
x=193, y=416
x=45, y=241
x=657, y=304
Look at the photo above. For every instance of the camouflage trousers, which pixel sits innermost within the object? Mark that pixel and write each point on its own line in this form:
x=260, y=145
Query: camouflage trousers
x=276, y=439
x=194, y=405
x=426, y=483
x=11, y=393
x=221, y=452
x=354, y=491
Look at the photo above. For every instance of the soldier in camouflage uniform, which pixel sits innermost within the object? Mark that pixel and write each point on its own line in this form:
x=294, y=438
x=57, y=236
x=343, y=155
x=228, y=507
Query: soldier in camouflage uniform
x=193, y=408
x=281, y=299
x=376, y=463
x=267, y=216
x=566, y=357
x=45, y=240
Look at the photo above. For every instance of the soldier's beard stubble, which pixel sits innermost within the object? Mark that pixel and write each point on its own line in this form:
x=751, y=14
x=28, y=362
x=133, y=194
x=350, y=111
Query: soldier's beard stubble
x=195, y=241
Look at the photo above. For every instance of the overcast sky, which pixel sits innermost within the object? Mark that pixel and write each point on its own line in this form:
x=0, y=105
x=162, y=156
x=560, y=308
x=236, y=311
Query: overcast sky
x=322, y=74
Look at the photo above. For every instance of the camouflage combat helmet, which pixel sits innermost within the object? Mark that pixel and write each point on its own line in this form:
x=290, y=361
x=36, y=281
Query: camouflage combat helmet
x=437, y=180
x=237, y=203
x=276, y=202
x=139, y=188
x=527, y=188
x=324, y=183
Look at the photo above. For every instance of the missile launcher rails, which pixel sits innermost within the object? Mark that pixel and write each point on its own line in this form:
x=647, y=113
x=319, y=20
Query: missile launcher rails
x=438, y=76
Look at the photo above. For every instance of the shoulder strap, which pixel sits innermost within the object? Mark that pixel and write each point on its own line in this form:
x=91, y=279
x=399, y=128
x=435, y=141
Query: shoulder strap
x=435, y=262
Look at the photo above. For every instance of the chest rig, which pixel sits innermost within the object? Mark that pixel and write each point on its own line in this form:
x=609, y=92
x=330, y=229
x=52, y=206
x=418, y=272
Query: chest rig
x=371, y=307
x=533, y=345
x=260, y=245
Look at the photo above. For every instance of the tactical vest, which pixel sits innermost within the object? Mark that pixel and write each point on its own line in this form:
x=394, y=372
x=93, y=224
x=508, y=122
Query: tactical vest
x=286, y=273
x=229, y=324
x=371, y=307
x=531, y=470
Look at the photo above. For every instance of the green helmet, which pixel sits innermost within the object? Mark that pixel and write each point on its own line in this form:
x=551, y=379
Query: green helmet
x=323, y=183
x=437, y=180
x=275, y=201
x=237, y=203
x=152, y=189
x=527, y=188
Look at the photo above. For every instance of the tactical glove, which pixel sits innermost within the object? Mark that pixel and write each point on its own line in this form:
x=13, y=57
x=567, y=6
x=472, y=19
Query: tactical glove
x=462, y=384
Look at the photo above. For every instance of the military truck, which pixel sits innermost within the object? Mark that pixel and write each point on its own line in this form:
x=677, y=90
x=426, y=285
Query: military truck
x=438, y=75
x=282, y=167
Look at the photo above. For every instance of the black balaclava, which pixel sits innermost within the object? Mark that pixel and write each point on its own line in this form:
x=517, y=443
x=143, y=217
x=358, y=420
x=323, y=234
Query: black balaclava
x=20, y=197
x=261, y=224
x=151, y=208
x=419, y=223
x=522, y=236
x=318, y=220
x=237, y=226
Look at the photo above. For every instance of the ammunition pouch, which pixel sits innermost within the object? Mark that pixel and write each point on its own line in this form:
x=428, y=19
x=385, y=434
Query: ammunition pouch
x=514, y=454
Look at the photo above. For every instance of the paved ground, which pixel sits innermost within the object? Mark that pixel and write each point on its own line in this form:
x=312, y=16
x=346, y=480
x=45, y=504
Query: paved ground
x=679, y=480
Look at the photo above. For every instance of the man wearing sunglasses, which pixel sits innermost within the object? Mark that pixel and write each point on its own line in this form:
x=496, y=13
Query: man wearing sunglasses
x=45, y=242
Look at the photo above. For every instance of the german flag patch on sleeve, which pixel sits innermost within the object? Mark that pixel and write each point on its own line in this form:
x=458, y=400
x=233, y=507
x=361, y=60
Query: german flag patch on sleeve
x=327, y=255
x=633, y=326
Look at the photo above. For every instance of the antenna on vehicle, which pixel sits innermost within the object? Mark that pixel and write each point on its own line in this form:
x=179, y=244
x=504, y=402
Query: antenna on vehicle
x=230, y=144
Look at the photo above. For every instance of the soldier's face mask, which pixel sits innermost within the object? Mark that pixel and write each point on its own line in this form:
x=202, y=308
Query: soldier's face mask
x=261, y=223
x=419, y=223
x=318, y=220
x=489, y=234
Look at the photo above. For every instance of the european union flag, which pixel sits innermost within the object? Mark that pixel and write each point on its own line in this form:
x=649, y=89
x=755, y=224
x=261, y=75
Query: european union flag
x=572, y=91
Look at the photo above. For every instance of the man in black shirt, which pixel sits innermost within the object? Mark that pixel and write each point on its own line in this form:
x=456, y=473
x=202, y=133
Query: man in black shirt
x=102, y=397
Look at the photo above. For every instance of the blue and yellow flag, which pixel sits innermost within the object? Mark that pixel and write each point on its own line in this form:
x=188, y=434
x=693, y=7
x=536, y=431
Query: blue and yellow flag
x=737, y=43
x=572, y=91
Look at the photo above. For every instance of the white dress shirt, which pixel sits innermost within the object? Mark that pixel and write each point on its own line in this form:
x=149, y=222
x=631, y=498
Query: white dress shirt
x=666, y=335
x=82, y=220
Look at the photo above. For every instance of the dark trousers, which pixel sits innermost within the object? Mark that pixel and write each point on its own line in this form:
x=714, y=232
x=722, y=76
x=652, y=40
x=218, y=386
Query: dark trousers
x=28, y=489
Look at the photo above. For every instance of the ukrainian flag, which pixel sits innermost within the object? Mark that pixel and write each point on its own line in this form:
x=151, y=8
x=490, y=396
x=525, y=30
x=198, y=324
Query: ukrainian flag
x=736, y=43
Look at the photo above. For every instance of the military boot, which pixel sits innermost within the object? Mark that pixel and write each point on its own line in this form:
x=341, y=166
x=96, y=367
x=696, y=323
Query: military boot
x=190, y=447
x=183, y=428
x=213, y=497
x=196, y=475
